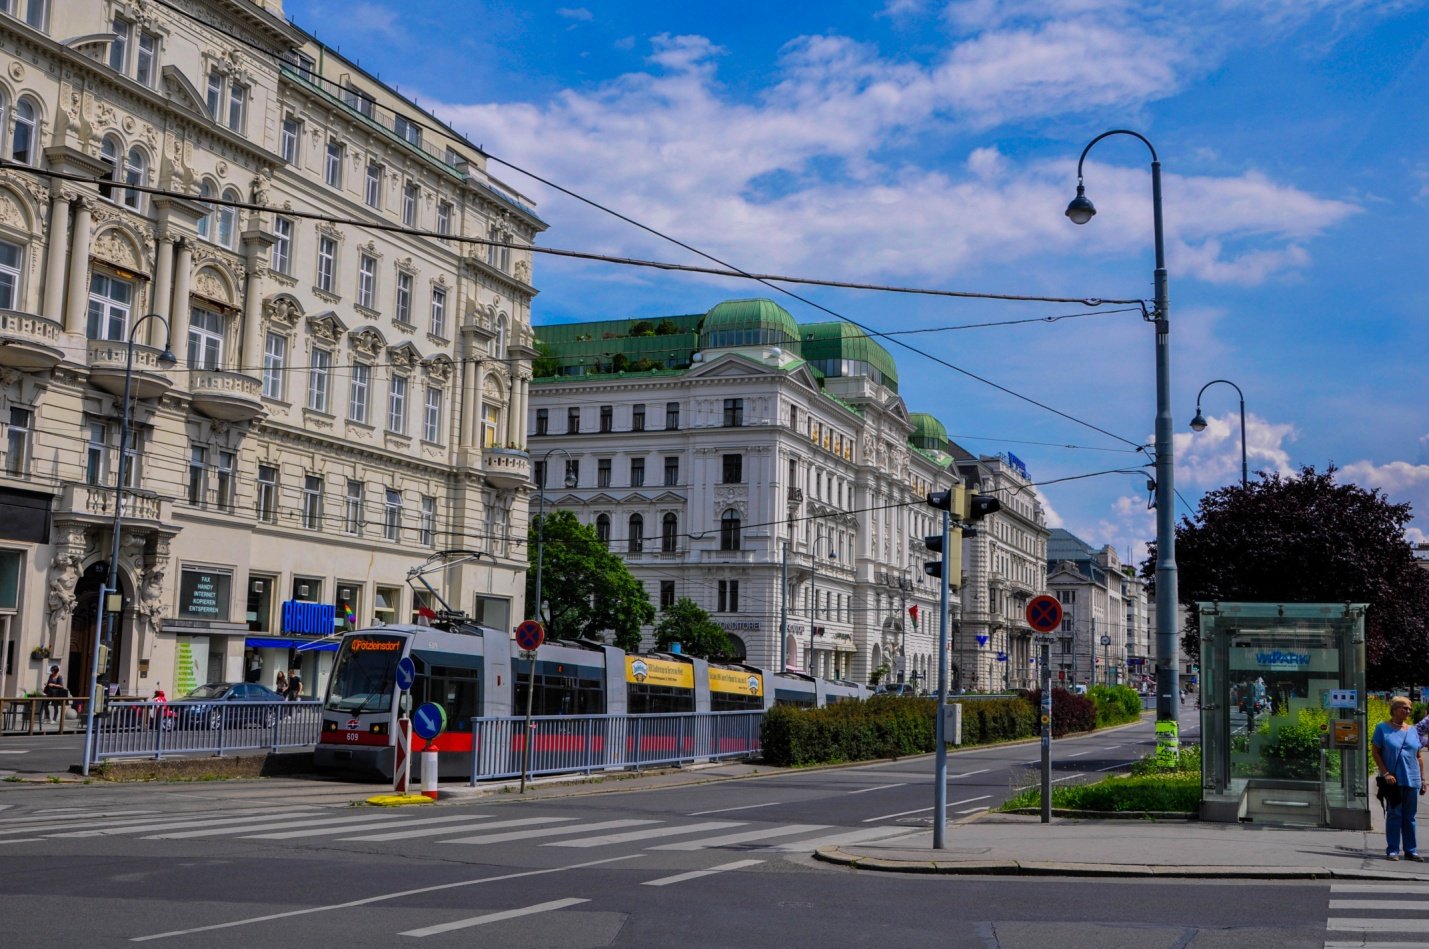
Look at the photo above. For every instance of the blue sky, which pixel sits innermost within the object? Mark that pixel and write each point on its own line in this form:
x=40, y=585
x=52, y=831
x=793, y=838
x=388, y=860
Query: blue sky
x=935, y=145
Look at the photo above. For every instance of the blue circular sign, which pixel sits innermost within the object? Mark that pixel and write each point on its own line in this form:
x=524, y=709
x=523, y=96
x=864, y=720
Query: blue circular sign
x=406, y=673
x=429, y=721
x=530, y=634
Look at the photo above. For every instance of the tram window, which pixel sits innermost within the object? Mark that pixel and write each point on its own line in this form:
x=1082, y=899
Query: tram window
x=784, y=697
x=454, y=688
x=557, y=691
x=649, y=699
x=734, y=702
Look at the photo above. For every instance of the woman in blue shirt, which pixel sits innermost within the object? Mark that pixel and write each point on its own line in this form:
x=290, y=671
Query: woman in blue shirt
x=1397, y=750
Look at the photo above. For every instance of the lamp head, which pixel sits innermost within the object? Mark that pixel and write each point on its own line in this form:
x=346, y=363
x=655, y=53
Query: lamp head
x=570, y=481
x=167, y=359
x=1199, y=423
x=1081, y=210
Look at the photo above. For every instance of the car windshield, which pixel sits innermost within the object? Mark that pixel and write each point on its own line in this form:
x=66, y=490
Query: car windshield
x=212, y=690
x=365, y=675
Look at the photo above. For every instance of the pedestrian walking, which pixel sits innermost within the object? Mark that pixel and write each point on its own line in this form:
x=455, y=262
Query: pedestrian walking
x=295, y=686
x=280, y=685
x=1399, y=754
x=55, y=689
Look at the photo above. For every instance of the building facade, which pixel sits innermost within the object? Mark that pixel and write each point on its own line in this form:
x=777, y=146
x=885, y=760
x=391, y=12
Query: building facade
x=347, y=400
x=765, y=469
x=1105, y=634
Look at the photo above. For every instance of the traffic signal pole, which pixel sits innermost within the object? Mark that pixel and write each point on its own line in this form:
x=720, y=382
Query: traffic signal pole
x=940, y=766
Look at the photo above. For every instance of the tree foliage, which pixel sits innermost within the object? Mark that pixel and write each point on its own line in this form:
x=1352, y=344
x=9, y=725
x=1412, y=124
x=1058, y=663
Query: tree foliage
x=1308, y=539
x=690, y=626
x=588, y=590
x=545, y=365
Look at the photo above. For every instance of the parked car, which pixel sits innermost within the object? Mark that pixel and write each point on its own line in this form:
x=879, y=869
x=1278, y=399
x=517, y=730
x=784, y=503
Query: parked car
x=900, y=689
x=224, y=705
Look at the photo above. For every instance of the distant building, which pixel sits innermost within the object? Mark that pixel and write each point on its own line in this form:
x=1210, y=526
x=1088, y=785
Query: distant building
x=1105, y=635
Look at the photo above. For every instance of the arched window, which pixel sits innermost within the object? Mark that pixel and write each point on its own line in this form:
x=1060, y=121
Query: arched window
x=602, y=529
x=500, y=344
x=636, y=541
x=22, y=137
x=669, y=525
x=205, y=223
x=228, y=218
x=135, y=167
x=109, y=154
x=729, y=530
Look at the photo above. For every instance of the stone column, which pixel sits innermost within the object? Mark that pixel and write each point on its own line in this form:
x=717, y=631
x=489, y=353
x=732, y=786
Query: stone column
x=517, y=425
x=252, y=315
x=478, y=384
x=77, y=291
x=179, y=310
x=468, y=386
x=163, y=279
x=57, y=256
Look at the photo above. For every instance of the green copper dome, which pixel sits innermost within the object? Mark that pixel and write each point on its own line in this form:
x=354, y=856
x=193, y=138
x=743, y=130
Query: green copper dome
x=748, y=323
x=843, y=349
x=928, y=433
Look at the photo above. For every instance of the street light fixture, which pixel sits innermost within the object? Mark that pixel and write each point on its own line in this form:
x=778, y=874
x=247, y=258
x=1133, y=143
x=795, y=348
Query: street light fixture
x=1199, y=423
x=814, y=593
x=1080, y=211
x=166, y=360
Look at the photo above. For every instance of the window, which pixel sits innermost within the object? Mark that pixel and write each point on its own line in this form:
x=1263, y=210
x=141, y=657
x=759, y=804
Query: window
x=332, y=165
x=439, y=312
x=290, y=139
x=573, y=420
x=637, y=472
x=498, y=250
x=733, y=413
x=327, y=262
x=358, y=393
x=9, y=274
x=397, y=405
x=607, y=418
x=282, y=258
x=214, y=95
x=794, y=417
x=538, y=474
x=729, y=530
x=205, y=223
x=319, y=380
x=224, y=480
x=267, y=499
x=136, y=166
x=205, y=339
x=408, y=130
x=672, y=471
x=602, y=473
x=489, y=422
x=444, y=217
x=22, y=134
x=119, y=46
x=312, y=503
x=404, y=298
x=410, y=194
x=109, y=155
x=427, y=523
x=359, y=100
x=373, y=192
x=228, y=219
x=669, y=531
x=366, y=281
x=237, y=106
x=432, y=416
x=602, y=529
x=728, y=597
x=635, y=539
x=17, y=440
x=733, y=469
x=110, y=300
x=275, y=358
x=94, y=451
x=352, y=509
x=392, y=516
x=637, y=417
x=38, y=13
x=672, y=416
x=667, y=594
x=543, y=421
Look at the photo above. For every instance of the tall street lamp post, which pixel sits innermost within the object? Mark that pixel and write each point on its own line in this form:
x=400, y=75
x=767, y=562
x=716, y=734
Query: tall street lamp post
x=1080, y=210
x=166, y=360
x=1198, y=424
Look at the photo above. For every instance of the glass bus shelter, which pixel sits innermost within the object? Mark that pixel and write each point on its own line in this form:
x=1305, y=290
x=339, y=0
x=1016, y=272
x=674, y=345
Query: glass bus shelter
x=1283, y=714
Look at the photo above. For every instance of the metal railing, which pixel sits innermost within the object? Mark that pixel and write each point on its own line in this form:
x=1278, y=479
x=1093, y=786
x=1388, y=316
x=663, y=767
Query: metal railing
x=563, y=744
x=157, y=729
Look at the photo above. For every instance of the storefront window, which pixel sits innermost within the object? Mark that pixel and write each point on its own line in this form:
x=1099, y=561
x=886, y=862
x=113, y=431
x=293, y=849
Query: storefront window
x=260, y=604
x=203, y=594
x=385, y=604
x=349, y=607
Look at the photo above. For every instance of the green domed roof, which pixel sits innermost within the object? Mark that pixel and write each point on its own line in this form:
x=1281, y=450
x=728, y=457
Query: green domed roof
x=928, y=433
x=756, y=322
x=826, y=345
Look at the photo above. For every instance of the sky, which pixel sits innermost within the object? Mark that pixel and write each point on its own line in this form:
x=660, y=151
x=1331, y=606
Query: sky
x=934, y=145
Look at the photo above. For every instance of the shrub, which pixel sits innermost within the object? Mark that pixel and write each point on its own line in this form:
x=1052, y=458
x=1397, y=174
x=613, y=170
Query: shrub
x=1070, y=712
x=1115, y=704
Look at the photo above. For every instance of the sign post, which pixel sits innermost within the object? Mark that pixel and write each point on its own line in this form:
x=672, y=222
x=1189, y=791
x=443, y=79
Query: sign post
x=402, y=763
x=1044, y=615
x=429, y=721
x=529, y=636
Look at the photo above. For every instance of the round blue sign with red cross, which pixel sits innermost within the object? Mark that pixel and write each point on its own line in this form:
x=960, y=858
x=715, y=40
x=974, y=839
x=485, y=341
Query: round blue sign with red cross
x=530, y=634
x=1044, y=613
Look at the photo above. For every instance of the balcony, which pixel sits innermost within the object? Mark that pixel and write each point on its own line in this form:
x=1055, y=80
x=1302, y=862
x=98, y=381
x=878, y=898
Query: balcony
x=227, y=396
x=796, y=495
x=506, y=467
x=28, y=342
x=97, y=501
x=107, y=362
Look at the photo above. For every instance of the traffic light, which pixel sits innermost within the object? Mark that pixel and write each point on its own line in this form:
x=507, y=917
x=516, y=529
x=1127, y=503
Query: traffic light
x=977, y=506
x=103, y=665
x=952, y=501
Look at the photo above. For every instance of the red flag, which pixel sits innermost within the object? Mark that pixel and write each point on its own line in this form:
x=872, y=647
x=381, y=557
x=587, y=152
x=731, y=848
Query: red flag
x=913, y=612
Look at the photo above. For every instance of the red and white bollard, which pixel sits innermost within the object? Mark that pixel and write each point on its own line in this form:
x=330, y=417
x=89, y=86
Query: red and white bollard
x=402, y=763
x=429, y=774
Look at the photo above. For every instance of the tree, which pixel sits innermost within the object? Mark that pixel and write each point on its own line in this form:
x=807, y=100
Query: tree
x=588, y=590
x=1307, y=539
x=545, y=365
x=666, y=328
x=698, y=635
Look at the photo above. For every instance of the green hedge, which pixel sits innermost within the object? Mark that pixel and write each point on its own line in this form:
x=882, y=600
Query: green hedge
x=1115, y=704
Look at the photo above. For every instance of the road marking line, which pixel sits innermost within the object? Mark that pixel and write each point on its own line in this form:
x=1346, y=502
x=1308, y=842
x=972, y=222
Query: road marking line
x=1361, y=944
x=55, y=820
x=881, y=787
x=367, y=901
x=1418, y=905
x=1079, y=754
x=131, y=825
x=724, y=810
x=14, y=751
x=920, y=810
x=1379, y=887
x=460, y=828
x=289, y=834
x=1113, y=767
x=494, y=917
x=852, y=837
x=646, y=834
x=696, y=874
x=546, y=831
x=293, y=823
x=21, y=840
x=1378, y=925
x=972, y=810
x=743, y=837
x=968, y=774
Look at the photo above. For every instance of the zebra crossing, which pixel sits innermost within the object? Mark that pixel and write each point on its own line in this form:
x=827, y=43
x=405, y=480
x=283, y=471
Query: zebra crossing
x=465, y=830
x=1378, y=915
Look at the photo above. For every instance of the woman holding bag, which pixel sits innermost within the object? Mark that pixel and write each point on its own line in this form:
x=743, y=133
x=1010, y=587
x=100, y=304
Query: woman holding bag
x=1398, y=753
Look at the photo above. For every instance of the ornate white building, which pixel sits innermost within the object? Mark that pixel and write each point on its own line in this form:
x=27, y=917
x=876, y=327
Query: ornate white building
x=344, y=397
x=1105, y=635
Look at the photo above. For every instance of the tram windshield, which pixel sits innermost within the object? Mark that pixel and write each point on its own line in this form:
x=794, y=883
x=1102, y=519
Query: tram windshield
x=365, y=676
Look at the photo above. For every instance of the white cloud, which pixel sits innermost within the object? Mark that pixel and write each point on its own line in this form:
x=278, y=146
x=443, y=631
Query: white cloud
x=1211, y=458
x=575, y=13
x=1401, y=481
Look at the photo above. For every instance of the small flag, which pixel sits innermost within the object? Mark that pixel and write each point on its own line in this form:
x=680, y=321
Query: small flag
x=350, y=614
x=913, y=612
